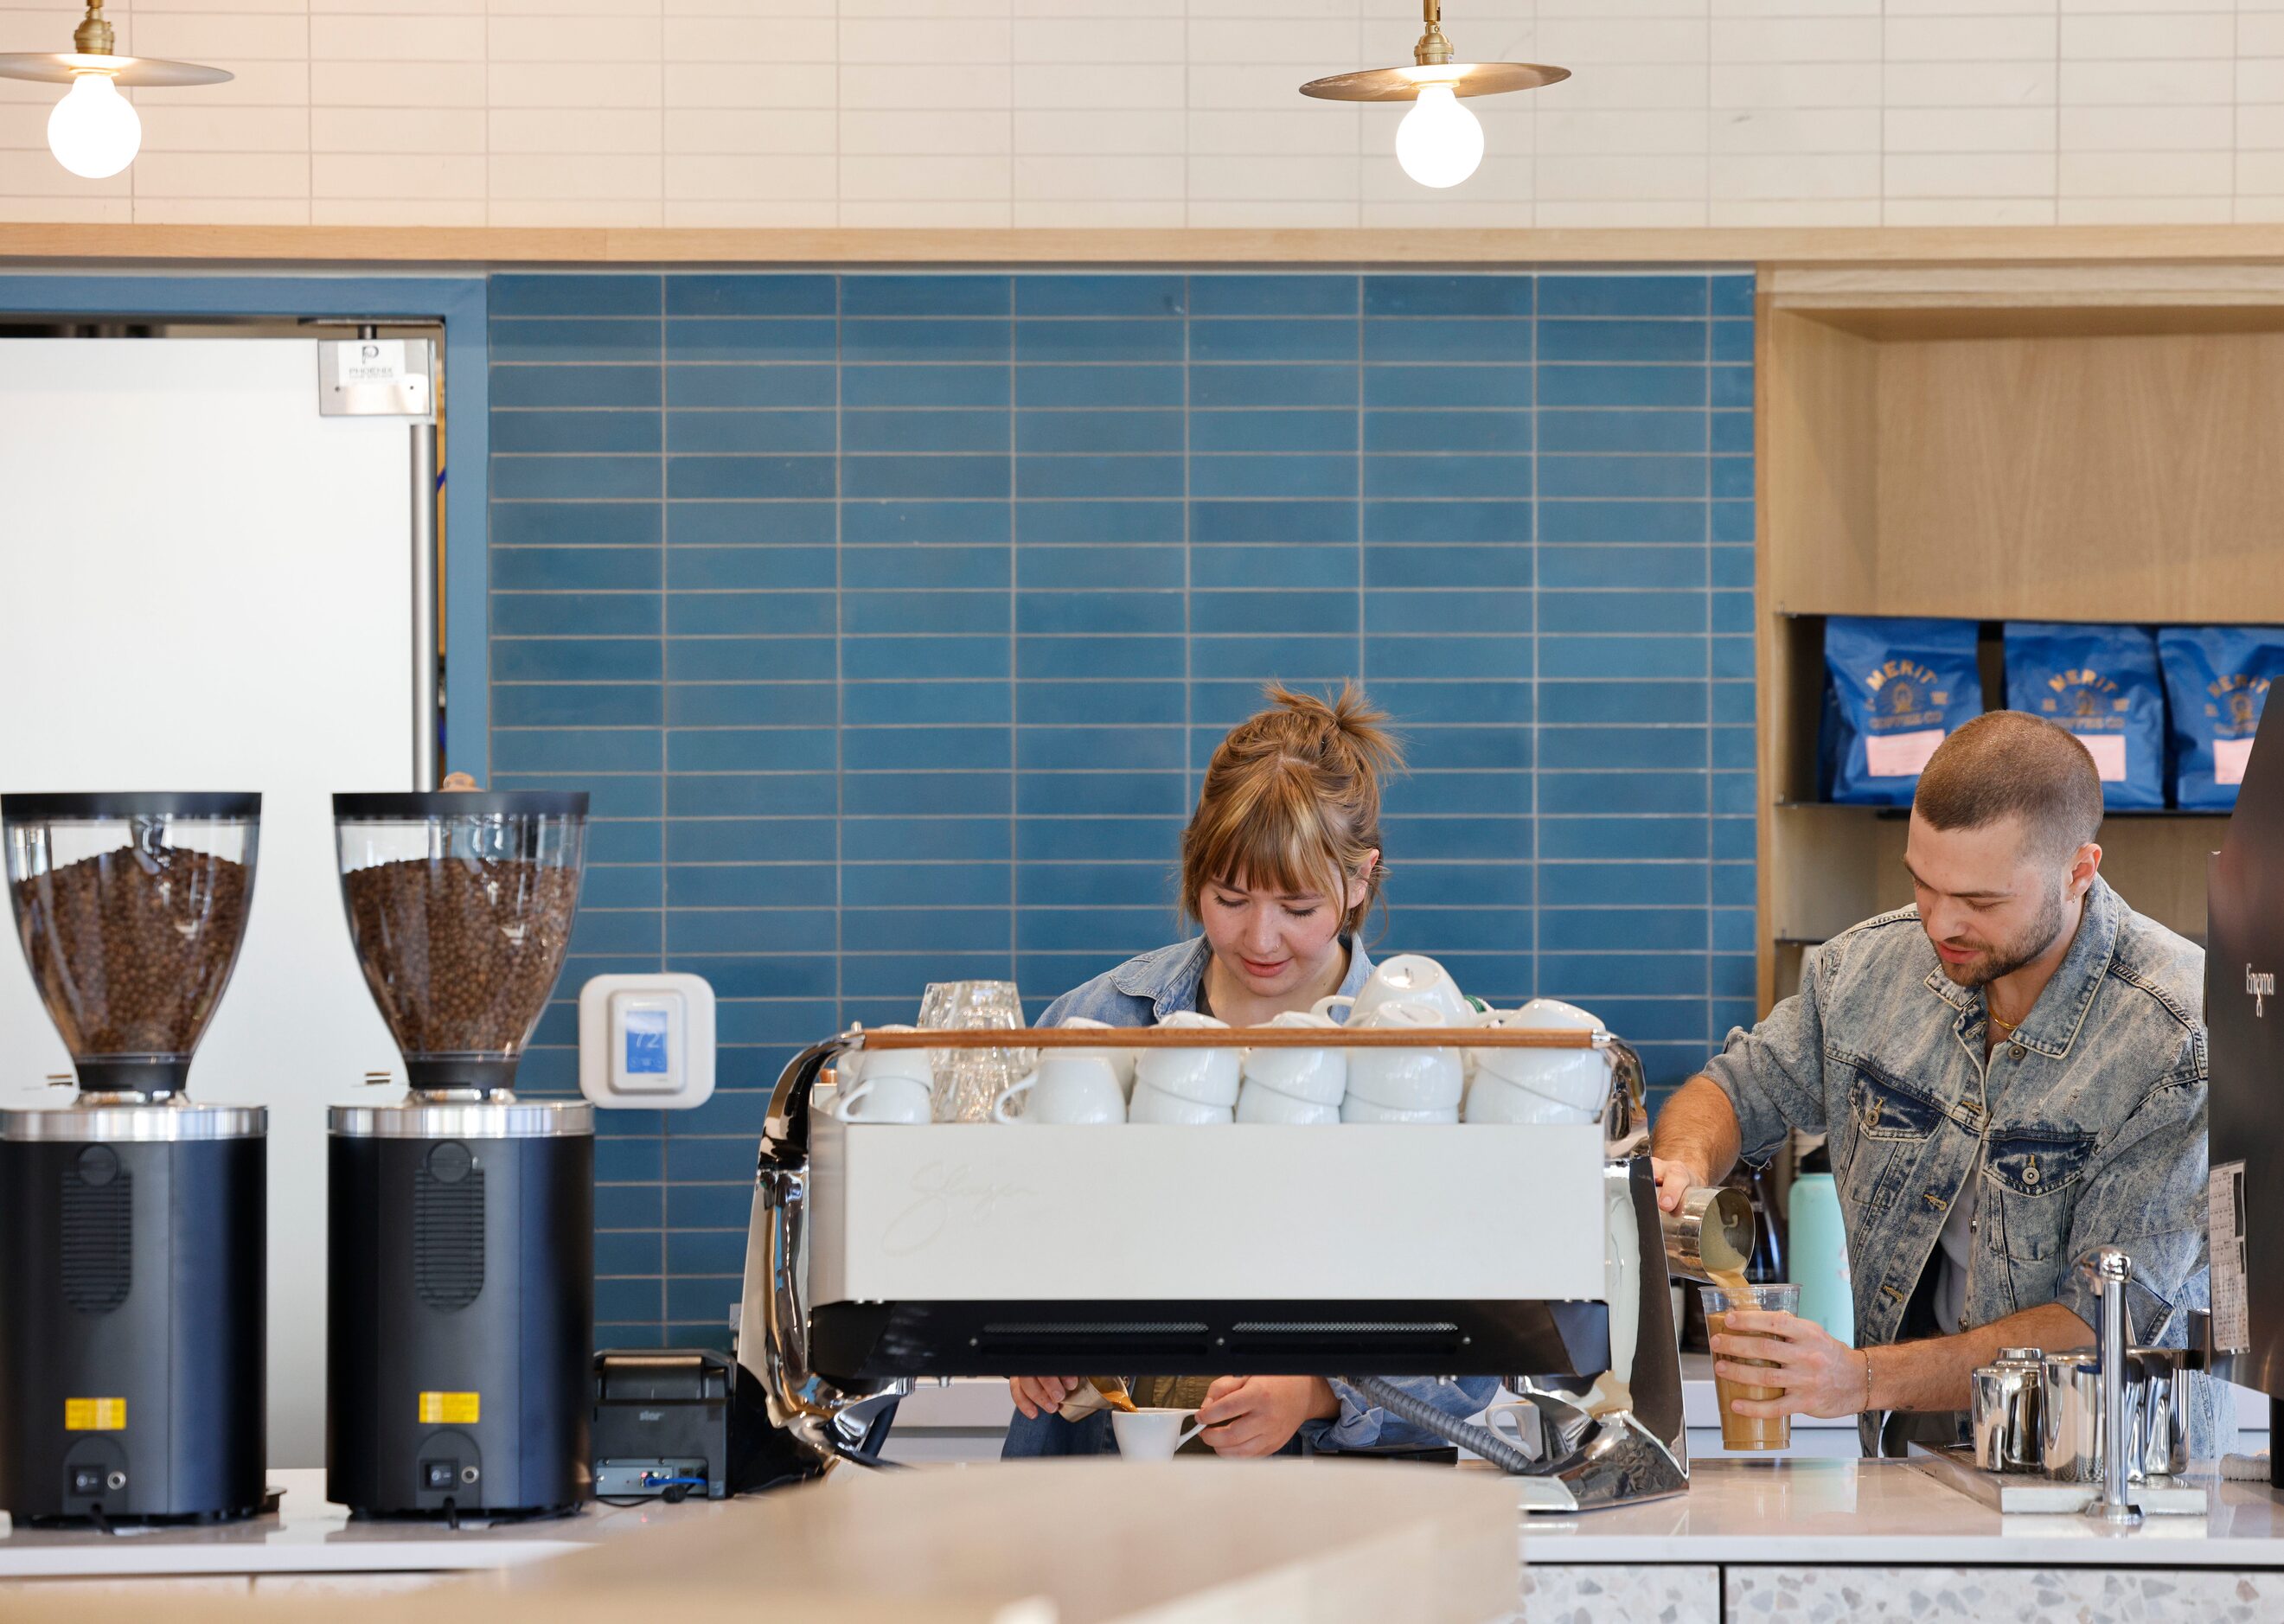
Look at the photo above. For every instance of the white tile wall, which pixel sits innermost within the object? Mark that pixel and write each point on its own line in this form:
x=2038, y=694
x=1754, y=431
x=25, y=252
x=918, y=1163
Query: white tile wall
x=1170, y=112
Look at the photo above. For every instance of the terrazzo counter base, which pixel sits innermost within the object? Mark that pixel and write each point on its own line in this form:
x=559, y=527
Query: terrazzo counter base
x=1817, y=1541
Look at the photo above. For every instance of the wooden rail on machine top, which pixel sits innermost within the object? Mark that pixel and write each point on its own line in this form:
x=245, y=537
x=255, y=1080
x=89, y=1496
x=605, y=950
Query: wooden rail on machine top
x=1230, y=1037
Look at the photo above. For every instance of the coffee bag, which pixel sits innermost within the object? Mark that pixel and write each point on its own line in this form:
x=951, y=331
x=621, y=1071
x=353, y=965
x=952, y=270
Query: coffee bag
x=1897, y=688
x=2100, y=683
x=2216, y=678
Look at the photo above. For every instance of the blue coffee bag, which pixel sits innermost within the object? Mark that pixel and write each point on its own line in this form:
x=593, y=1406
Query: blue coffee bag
x=2216, y=678
x=1899, y=687
x=2100, y=683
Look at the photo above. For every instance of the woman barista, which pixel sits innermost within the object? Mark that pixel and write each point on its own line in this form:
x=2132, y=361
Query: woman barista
x=1280, y=863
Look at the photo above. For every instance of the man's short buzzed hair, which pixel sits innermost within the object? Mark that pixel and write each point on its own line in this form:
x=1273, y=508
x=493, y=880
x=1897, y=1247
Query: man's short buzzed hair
x=2009, y=763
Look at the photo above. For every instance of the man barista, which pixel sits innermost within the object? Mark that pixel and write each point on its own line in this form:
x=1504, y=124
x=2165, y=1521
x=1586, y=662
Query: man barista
x=2012, y=1074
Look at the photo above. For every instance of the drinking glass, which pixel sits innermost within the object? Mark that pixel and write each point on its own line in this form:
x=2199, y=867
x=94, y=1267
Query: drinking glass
x=1748, y=1432
x=967, y=1081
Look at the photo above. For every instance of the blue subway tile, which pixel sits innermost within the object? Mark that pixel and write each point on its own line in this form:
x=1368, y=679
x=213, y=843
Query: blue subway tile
x=753, y=705
x=1447, y=431
x=1493, y=657
x=913, y=657
x=1284, y=477
x=748, y=614
x=562, y=387
x=748, y=660
x=1100, y=840
x=1732, y=433
x=933, y=340
x=1431, y=749
x=584, y=568
x=1442, y=295
x=1289, y=612
x=925, y=294
x=947, y=523
x=1643, y=522
x=1622, y=477
x=924, y=385
x=718, y=749
x=1732, y=478
x=1103, y=566
x=1623, y=295
x=1046, y=477
x=749, y=478
x=1732, y=294
x=1487, y=611
x=1102, y=523
x=749, y=294
x=1595, y=657
x=925, y=930
x=1448, y=340
x=575, y=479
x=1096, y=794
x=1462, y=839
x=1607, y=703
x=1275, y=567
x=748, y=569
x=925, y=478
x=1245, y=387
x=1421, y=700
x=887, y=704
x=576, y=341
x=749, y=387
x=572, y=749
x=1443, y=520
x=918, y=568
x=1733, y=522
x=1068, y=385
x=1732, y=389
x=751, y=524
x=563, y=524
x=1732, y=342
x=1073, y=749
x=570, y=614
x=547, y=432
x=1120, y=343
x=1643, y=388
x=707, y=924
x=750, y=433
x=946, y=794
x=576, y=660
x=1038, y=431
x=1606, y=430
x=1565, y=749
x=1274, y=340
x=1040, y=659
x=926, y=613
x=907, y=836
x=1042, y=704
x=1256, y=523
x=927, y=749
x=749, y=340
x=750, y=794
x=1633, y=611
x=1619, y=565
x=562, y=704
x=1244, y=294
x=1116, y=294
x=906, y=432
x=926, y=885
x=1273, y=656
x=510, y=293
x=1457, y=475
x=1605, y=341
x=1393, y=386
x=1110, y=614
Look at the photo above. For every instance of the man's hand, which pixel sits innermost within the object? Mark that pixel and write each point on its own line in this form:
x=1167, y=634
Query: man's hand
x=1263, y=1412
x=1041, y=1396
x=1820, y=1375
x=1677, y=1176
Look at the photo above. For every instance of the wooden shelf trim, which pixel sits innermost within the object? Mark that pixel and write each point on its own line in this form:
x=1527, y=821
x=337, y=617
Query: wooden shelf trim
x=1807, y=246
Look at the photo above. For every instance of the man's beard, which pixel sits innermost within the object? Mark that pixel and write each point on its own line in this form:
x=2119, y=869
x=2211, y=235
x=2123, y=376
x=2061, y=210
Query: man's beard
x=2007, y=957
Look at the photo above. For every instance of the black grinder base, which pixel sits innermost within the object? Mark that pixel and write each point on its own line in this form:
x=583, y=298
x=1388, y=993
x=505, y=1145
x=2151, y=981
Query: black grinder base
x=133, y=1275
x=460, y=1315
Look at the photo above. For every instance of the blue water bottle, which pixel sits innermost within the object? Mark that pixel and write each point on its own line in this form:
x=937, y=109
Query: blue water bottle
x=1819, y=1249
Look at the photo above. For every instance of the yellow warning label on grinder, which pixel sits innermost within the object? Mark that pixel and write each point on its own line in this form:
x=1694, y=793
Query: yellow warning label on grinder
x=449, y=1408
x=95, y=1415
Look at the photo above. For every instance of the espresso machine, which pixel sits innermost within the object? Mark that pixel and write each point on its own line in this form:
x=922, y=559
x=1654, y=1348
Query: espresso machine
x=460, y=1309
x=132, y=1221
x=2244, y=1023
x=880, y=1253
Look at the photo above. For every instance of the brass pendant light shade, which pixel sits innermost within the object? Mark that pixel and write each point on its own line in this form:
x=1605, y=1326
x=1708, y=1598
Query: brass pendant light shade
x=1432, y=65
x=91, y=53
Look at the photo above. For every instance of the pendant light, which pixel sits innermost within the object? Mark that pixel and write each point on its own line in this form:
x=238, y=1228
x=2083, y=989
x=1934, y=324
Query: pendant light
x=1440, y=143
x=94, y=131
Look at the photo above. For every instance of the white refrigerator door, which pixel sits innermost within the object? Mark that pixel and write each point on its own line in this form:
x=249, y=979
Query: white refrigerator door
x=208, y=586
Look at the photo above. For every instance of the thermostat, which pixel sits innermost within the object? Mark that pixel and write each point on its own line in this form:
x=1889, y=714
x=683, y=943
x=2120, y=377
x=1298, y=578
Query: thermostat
x=647, y=1041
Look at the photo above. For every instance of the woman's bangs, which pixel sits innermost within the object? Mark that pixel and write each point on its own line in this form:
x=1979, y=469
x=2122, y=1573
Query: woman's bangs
x=1272, y=844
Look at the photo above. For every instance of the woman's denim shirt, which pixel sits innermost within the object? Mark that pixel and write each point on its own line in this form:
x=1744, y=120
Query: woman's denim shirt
x=1142, y=992
x=2087, y=1128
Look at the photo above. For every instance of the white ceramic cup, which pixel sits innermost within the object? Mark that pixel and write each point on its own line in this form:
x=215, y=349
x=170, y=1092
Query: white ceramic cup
x=856, y=1065
x=1122, y=1061
x=1406, y=1079
x=1320, y=1075
x=1149, y=1105
x=1257, y=1103
x=1491, y=1100
x=1579, y=1078
x=1208, y=1076
x=1152, y=1434
x=1364, y=1111
x=1408, y=978
x=1071, y=1086
x=887, y=1099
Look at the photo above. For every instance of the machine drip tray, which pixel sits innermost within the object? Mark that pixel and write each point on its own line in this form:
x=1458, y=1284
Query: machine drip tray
x=2024, y=1492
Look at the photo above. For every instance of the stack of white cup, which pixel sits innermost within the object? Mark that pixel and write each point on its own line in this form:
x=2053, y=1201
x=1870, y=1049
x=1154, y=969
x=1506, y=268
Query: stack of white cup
x=1420, y=1086
x=1539, y=1085
x=885, y=1085
x=1073, y=1086
x=1296, y=1087
x=1194, y=1088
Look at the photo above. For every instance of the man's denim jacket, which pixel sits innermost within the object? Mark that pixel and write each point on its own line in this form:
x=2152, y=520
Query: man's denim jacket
x=1144, y=991
x=2087, y=1128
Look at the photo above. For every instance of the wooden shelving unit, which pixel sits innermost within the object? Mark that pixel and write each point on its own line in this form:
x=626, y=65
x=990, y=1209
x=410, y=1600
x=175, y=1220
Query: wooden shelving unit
x=2000, y=445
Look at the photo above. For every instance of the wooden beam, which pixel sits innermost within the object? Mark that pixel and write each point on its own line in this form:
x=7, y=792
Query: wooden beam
x=1873, y=246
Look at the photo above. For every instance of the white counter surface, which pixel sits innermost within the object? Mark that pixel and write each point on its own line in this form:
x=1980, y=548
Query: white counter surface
x=310, y=1534
x=1825, y=1512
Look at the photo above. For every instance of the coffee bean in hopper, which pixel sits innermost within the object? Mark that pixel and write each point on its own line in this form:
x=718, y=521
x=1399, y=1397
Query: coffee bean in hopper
x=461, y=953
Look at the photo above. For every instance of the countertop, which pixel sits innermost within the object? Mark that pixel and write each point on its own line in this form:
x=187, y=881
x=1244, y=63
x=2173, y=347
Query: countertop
x=1823, y=1512
x=310, y=1534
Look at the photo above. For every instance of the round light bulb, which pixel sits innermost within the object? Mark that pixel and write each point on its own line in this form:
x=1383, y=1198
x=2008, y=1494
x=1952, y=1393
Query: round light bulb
x=1439, y=142
x=94, y=131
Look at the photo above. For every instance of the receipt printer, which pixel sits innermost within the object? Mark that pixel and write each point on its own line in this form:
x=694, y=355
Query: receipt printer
x=661, y=1423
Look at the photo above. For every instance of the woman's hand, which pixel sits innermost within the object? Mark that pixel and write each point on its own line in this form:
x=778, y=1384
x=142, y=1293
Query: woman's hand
x=1820, y=1375
x=1041, y=1396
x=1258, y=1414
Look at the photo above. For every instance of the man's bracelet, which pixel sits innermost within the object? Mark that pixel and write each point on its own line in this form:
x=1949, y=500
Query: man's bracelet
x=1866, y=1404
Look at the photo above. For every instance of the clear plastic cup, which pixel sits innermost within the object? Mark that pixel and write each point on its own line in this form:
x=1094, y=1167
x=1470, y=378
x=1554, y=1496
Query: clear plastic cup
x=1748, y=1432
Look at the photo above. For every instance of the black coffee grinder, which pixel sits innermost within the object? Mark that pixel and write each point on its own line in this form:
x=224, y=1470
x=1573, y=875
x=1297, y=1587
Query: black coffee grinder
x=461, y=1307
x=132, y=1222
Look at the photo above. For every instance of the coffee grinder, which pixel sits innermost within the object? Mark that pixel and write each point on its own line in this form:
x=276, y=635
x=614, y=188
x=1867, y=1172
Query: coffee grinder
x=461, y=1313
x=132, y=1222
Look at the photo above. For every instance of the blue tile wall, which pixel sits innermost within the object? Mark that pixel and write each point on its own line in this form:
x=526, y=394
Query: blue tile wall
x=890, y=620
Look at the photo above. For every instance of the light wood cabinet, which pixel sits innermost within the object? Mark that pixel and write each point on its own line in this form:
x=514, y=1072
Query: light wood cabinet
x=2088, y=443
